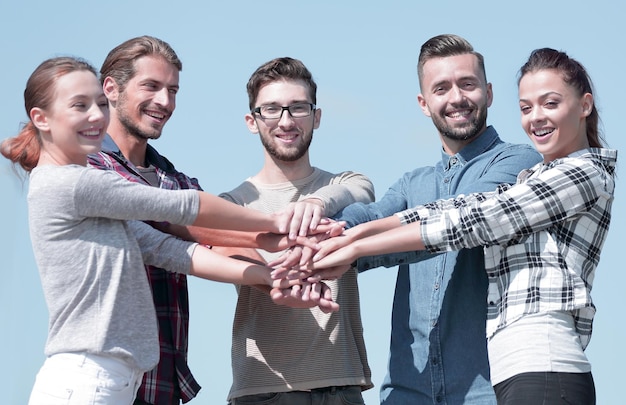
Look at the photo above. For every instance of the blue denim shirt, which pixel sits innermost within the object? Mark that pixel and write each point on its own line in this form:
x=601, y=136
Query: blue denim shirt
x=438, y=351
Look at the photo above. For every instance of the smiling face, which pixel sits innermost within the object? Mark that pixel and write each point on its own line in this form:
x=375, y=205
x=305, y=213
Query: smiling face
x=76, y=121
x=148, y=100
x=286, y=139
x=456, y=97
x=553, y=114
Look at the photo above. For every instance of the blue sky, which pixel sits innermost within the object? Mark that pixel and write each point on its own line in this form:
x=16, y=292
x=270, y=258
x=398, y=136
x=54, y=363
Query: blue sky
x=363, y=57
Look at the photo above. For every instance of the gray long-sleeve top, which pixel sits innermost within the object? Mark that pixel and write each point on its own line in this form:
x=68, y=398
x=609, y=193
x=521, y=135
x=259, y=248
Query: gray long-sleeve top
x=91, y=259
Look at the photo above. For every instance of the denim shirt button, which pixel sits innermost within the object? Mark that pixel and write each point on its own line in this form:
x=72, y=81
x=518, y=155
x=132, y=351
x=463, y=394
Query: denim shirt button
x=438, y=398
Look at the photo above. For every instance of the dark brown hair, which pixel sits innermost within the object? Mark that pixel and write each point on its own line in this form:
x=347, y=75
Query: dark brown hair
x=575, y=75
x=443, y=46
x=280, y=69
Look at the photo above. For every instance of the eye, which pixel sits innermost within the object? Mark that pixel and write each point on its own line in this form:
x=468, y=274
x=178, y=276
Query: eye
x=469, y=85
x=551, y=104
x=525, y=109
x=299, y=108
x=270, y=109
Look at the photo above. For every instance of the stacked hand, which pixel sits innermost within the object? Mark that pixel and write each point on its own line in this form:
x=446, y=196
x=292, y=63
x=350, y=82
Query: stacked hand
x=312, y=241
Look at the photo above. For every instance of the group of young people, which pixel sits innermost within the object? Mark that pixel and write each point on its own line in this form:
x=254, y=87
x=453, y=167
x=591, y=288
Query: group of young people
x=496, y=244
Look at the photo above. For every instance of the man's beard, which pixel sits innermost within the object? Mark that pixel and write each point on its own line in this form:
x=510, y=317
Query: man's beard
x=469, y=131
x=130, y=126
x=290, y=155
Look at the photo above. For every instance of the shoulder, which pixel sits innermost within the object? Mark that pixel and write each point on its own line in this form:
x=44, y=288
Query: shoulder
x=519, y=154
x=339, y=177
x=240, y=193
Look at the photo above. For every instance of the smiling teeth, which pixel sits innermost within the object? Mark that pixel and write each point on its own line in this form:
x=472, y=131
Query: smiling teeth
x=459, y=114
x=92, y=132
x=543, y=132
x=156, y=115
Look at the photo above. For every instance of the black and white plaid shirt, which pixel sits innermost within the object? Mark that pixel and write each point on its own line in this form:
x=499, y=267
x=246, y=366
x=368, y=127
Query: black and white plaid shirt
x=542, y=236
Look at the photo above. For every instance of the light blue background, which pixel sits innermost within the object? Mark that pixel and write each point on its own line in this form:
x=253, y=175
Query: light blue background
x=363, y=56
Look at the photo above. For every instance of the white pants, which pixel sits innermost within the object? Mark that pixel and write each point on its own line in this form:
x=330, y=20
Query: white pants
x=85, y=379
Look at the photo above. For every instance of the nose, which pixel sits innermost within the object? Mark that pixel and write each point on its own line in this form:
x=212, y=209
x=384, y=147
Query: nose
x=456, y=95
x=163, y=97
x=285, y=118
x=536, y=115
x=98, y=113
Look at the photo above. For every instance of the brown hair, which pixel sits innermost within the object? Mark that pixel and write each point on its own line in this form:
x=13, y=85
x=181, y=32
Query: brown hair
x=443, y=46
x=120, y=62
x=575, y=75
x=280, y=69
x=24, y=149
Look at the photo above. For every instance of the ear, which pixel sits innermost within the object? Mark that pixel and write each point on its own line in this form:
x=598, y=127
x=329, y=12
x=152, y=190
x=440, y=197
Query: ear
x=39, y=119
x=489, y=94
x=422, y=102
x=251, y=123
x=317, y=119
x=587, y=104
x=111, y=89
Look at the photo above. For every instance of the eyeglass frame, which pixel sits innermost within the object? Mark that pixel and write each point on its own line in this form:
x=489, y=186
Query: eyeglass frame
x=257, y=110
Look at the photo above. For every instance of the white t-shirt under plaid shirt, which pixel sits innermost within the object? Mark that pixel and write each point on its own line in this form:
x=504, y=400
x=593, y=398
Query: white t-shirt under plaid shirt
x=542, y=237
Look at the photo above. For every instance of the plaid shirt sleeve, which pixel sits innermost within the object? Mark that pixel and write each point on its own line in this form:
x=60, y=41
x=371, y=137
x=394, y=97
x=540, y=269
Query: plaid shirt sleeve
x=548, y=196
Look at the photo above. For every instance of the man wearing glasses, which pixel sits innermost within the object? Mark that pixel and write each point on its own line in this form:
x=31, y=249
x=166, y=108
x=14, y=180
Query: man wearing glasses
x=288, y=355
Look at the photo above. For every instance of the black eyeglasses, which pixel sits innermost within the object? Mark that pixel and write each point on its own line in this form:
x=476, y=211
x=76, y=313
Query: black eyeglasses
x=274, y=112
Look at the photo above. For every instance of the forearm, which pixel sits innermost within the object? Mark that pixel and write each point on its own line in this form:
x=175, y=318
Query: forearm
x=400, y=239
x=213, y=266
x=371, y=228
x=215, y=212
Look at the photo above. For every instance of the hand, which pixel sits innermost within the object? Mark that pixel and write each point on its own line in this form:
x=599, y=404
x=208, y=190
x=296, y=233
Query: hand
x=305, y=215
x=273, y=242
x=308, y=295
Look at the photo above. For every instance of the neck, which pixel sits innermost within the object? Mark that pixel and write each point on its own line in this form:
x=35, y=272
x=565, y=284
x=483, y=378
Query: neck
x=277, y=171
x=132, y=147
x=454, y=146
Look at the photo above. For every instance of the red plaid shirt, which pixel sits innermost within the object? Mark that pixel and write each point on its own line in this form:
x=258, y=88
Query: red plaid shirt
x=171, y=380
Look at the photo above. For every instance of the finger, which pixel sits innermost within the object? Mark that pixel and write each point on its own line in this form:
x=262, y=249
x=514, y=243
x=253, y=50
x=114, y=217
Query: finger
x=316, y=291
x=307, y=215
x=316, y=218
x=306, y=257
x=328, y=306
x=308, y=241
x=296, y=291
x=306, y=292
x=296, y=221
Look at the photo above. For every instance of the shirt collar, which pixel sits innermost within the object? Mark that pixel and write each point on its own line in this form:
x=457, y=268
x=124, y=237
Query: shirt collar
x=152, y=156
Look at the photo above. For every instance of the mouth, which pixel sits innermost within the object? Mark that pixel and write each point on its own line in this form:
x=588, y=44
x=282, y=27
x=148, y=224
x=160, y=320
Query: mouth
x=540, y=133
x=459, y=114
x=92, y=133
x=287, y=137
x=157, y=115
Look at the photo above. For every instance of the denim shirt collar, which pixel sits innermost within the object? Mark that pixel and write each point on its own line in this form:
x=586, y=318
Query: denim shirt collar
x=476, y=148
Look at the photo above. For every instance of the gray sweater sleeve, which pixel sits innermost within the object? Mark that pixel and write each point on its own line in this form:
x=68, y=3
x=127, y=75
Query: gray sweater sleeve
x=106, y=194
x=162, y=250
